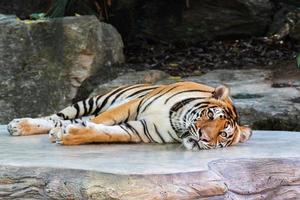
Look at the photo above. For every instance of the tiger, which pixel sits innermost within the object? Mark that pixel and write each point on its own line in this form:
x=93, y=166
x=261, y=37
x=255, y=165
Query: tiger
x=196, y=115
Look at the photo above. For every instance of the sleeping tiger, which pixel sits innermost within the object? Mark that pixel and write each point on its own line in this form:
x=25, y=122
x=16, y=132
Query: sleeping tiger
x=196, y=115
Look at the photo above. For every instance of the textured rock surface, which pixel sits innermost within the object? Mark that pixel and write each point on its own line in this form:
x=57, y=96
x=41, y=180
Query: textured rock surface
x=133, y=77
x=43, y=63
x=192, y=21
x=33, y=168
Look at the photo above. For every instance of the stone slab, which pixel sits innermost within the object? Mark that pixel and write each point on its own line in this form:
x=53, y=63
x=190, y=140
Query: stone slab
x=37, y=151
x=266, y=167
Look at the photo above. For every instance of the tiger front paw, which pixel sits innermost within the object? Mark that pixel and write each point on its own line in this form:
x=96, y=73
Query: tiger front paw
x=28, y=126
x=56, y=134
x=73, y=134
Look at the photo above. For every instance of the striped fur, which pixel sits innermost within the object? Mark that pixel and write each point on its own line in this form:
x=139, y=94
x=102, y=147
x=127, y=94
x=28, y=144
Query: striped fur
x=199, y=116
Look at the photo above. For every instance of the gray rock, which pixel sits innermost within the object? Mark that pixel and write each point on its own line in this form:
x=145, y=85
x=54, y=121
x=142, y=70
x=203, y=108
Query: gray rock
x=131, y=78
x=44, y=63
x=33, y=168
x=194, y=21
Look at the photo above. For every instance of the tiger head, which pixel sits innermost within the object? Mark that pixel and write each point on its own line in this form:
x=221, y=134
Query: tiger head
x=216, y=125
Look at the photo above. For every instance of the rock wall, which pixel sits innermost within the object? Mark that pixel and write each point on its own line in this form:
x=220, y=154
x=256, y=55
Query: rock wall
x=181, y=21
x=193, y=21
x=226, y=179
x=44, y=63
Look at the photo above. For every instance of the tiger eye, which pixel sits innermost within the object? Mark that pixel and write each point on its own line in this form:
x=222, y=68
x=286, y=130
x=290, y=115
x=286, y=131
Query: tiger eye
x=223, y=134
x=210, y=114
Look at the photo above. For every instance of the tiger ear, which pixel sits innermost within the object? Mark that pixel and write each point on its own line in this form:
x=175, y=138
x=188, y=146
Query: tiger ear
x=245, y=133
x=221, y=92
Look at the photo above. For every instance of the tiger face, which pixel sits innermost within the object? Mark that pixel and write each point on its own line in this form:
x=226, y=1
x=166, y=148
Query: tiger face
x=216, y=125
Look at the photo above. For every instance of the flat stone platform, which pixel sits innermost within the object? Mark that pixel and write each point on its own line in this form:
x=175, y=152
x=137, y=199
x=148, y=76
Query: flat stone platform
x=32, y=167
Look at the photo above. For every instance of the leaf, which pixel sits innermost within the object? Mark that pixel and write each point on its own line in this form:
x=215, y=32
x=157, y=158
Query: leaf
x=175, y=78
x=173, y=65
x=298, y=60
x=35, y=16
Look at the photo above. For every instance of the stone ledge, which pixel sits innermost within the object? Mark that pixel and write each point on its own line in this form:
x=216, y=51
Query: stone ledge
x=226, y=179
x=266, y=167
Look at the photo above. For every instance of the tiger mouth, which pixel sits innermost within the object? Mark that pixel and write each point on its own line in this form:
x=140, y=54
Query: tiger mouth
x=197, y=143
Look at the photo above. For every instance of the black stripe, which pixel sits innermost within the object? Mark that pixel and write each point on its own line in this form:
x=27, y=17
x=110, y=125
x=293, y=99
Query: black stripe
x=84, y=108
x=138, y=109
x=236, y=113
x=186, y=91
x=106, y=99
x=194, y=110
x=140, y=91
x=76, y=106
x=173, y=137
x=158, y=133
x=62, y=115
x=150, y=98
x=146, y=131
x=177, y=106
x=124, y=129
x=185, y=134
x=125, y=90
x=182, y=103
x=97, y=99
x=198, y=145
x=91, y=104
x=133, y=130
x=97, y=110
x=159, y=97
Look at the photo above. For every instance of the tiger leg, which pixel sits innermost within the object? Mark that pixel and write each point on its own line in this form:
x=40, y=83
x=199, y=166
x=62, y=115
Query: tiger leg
x=120, y=114
x=75, y=134
x=89, y=107
x=33, y=126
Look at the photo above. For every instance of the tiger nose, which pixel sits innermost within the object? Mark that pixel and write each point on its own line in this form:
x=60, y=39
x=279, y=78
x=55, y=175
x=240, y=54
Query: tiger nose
x=204, y=137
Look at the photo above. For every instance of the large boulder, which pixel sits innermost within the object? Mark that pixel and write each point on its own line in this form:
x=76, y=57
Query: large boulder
x=43, y=64
x=176, y=21
x=193, y=21
x=130, y=78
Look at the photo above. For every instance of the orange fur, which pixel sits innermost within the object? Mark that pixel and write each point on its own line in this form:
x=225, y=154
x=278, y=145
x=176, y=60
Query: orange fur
x=82, y=135
x=152, y=115
x=30, y=129
x=116, y=115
